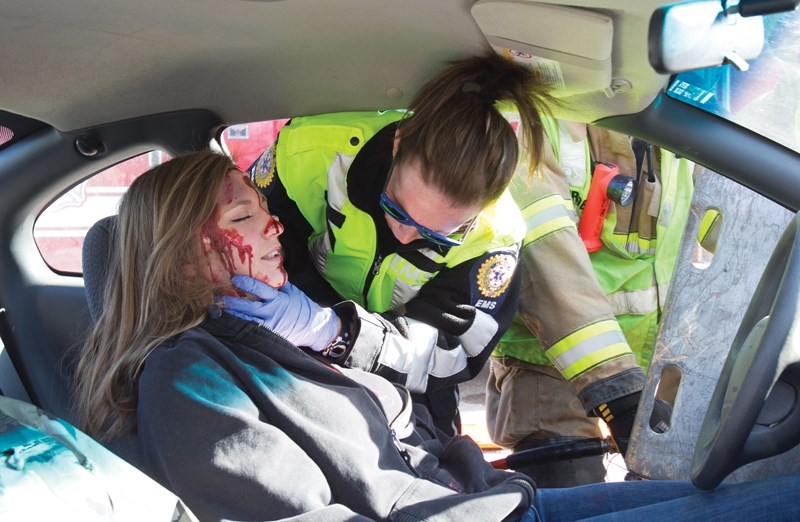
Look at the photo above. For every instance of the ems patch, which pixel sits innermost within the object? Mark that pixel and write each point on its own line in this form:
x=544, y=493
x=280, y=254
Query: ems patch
x=495, y=274
x=263, y=172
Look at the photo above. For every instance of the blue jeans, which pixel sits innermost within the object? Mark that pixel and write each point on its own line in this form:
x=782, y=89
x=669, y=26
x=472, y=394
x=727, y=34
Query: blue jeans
x=773, y=499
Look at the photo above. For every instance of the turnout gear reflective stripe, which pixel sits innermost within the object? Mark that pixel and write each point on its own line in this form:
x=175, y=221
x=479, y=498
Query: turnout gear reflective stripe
x=584, y=349
x=545, y=216
x=636, y=245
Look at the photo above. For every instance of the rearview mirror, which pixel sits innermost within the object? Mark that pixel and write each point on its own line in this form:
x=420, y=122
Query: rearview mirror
x=697, y=35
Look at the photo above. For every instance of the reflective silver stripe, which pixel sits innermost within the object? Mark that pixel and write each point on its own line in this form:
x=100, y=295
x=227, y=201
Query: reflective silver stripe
x=480, y=332
x=420, y=356
x=637, y=302
x=412, y=356
x=634, y=248
x=337, y=194
x=449, y=362
x=548, y=214
x=337, y=180
x=588, y=347
x=544, y=217
x=403, y=292
x=319, y=252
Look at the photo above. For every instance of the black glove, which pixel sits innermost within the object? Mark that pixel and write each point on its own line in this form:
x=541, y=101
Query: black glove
x=620, y=413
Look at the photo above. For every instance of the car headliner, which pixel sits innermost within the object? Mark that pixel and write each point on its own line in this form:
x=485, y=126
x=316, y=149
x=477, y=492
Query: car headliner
x=79, y=63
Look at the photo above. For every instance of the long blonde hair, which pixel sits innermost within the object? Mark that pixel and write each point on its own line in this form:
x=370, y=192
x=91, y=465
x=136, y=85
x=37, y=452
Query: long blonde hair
x=149, y=294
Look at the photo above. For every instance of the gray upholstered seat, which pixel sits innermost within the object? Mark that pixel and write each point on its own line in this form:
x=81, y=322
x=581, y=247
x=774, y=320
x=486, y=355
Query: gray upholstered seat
x=97, y=248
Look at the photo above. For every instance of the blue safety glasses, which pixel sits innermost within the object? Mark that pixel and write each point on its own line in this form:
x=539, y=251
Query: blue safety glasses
x=399, y=215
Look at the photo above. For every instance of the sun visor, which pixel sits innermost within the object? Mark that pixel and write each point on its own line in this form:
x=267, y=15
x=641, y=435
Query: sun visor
x=569, y=48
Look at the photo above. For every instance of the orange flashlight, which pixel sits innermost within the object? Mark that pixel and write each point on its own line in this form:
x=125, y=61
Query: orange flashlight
x=607, y=185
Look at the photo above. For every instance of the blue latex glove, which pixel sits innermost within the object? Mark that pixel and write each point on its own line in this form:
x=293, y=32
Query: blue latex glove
x=286, y=311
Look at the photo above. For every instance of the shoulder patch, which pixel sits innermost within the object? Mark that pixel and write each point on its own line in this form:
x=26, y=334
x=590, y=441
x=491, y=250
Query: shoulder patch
x=494, y=275
x=263, y=170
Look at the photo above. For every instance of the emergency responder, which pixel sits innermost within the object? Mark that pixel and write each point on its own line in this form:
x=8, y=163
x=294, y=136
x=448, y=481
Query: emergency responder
x=409, y=216
x=565, y=361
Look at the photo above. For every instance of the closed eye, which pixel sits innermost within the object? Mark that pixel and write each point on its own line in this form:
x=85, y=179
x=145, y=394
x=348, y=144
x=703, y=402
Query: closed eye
x=241, y=219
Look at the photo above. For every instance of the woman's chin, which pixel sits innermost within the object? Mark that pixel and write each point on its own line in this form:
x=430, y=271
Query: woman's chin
x=281, y=280
x=276, y=279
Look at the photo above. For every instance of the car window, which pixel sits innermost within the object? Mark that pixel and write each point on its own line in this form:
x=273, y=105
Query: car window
x=246, y=142
x=764, y=98
x=61, y=227
x=14, y=128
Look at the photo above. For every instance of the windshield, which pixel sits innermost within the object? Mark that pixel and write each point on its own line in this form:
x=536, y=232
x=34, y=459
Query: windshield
x=764, y=98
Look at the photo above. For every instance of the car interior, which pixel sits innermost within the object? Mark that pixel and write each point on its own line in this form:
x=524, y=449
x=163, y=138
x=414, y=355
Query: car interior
x=88, y=85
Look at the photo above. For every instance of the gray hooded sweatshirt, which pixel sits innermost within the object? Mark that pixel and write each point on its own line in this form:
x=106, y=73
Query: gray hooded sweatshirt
x=243, y=425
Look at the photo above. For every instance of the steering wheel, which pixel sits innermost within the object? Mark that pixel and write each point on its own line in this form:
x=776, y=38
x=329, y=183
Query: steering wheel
x=755, y=409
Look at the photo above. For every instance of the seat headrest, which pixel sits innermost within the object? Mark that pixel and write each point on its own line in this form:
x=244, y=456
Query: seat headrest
x=97, y=248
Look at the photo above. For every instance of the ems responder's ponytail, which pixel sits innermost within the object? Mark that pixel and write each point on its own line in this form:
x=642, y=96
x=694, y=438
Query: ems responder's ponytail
x=466, y=148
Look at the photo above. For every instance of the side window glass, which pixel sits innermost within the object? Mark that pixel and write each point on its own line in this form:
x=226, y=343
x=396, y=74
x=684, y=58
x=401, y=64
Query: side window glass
x=60, y=228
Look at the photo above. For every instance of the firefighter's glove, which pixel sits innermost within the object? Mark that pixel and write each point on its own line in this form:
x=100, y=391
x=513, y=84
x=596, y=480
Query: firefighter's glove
x=287, y=311
x=620, y=413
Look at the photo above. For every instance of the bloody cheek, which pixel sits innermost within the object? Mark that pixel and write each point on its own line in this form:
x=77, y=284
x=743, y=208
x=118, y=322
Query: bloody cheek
x=229, y=243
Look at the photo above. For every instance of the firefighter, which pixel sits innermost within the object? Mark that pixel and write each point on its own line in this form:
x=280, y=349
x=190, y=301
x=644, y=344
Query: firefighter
x=583, y=337
x=409, y=216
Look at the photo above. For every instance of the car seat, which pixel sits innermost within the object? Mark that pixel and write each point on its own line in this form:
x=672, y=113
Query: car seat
x=97, y=248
